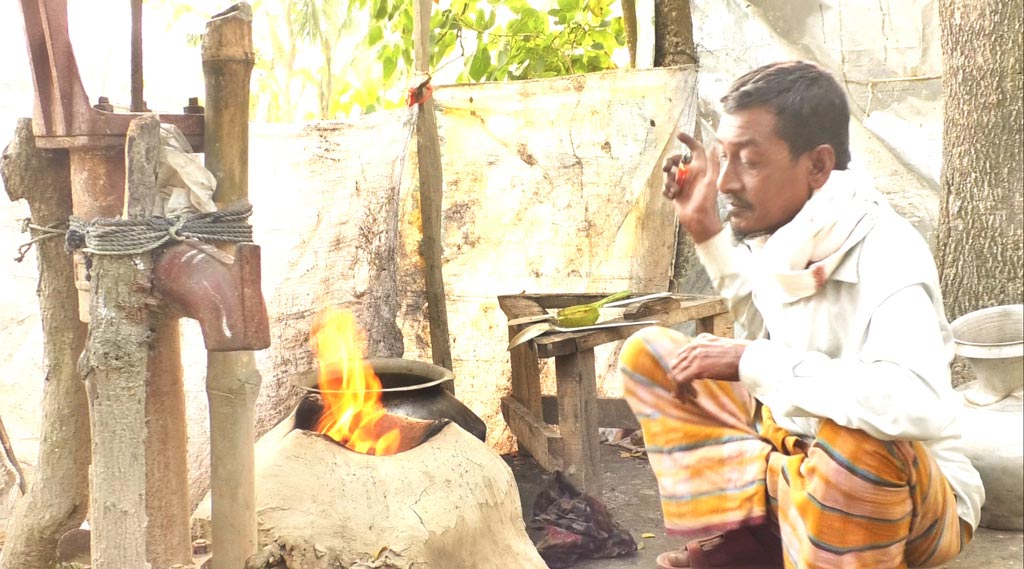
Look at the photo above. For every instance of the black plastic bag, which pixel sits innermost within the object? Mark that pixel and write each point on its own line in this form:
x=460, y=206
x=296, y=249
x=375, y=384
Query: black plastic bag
x=568, y=525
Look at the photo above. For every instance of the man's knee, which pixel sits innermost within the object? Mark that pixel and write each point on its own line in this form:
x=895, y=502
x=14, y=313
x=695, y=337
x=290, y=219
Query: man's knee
x=853, y=448
x=635, y=349
x=643, y=357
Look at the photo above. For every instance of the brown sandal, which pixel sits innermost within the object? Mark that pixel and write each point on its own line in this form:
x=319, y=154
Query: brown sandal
x=744, y=548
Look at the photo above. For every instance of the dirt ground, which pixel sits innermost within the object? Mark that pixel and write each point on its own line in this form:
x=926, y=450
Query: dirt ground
x=632, y=497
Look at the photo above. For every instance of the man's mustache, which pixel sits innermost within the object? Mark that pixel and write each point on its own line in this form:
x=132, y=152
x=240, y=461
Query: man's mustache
x=735, y=202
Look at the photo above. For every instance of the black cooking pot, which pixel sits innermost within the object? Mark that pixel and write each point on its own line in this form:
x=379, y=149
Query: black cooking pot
x=416, y=389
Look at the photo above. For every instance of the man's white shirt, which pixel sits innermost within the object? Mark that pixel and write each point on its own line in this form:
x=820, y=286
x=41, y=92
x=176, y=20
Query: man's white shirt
x=870, y=349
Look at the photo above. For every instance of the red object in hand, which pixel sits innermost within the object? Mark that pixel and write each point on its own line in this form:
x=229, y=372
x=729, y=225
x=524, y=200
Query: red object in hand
x=681, y=173
x=684, y=166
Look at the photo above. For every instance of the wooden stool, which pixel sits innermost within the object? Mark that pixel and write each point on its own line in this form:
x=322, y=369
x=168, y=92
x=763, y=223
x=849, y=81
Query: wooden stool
x=577, y=410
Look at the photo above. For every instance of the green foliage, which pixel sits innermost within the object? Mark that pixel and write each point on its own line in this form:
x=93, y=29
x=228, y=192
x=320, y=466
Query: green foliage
x=324, y=59
x=498, y=40
x=577, y=36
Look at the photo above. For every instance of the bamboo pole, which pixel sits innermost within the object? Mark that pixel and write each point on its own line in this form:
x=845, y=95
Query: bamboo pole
x=428, y=153
x=232, y=379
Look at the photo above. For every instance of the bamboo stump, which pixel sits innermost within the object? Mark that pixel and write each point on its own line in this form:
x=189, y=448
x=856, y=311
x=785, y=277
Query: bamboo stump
x=232, y=379
x=115, y=368
x=59, y=491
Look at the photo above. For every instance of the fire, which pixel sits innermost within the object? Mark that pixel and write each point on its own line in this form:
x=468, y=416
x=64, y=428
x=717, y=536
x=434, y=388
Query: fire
x=351, y=390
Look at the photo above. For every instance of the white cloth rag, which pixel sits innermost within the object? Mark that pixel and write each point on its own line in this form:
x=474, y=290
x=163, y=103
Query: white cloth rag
x=800, y=256
x=185, y=186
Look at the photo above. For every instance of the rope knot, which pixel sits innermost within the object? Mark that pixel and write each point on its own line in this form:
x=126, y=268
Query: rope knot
x=39, y=233
x=173, y=230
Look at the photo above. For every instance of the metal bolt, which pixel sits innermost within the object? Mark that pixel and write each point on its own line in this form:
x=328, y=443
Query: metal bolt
x=200, y=547
x=193, y=107
x=103, y=104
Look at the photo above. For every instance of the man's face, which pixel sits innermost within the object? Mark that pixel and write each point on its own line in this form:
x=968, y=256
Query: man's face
x=764, y=186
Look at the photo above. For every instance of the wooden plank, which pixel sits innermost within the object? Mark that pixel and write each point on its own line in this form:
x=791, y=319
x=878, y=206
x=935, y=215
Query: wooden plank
x=517, y=306
x=577, y=412
x=523, y=358
x=542, y=442
x=565, y=343
x=555, y=300
x=552, y=301
x=428, y=155
x=687, y=309
x=612, y=412
x=718, y=324
x=525, y=373
x=646, y=309
x=691, y=307
x=527, y=304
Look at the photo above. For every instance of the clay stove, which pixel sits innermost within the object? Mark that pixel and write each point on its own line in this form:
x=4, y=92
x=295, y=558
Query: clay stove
x=417, y=492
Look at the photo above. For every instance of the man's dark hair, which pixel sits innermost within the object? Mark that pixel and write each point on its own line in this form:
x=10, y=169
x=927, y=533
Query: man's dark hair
x=809, y=105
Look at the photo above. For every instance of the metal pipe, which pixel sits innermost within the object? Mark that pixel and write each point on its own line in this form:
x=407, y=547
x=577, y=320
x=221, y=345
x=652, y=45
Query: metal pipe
x=168, y=540
x=138, y=104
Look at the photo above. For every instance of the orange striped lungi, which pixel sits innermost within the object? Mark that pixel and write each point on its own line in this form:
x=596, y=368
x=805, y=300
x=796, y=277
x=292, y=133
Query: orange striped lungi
x=843, y=499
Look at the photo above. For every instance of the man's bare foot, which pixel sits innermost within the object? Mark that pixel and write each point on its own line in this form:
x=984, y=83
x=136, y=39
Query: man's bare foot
x=673, y=560
x=757, y=547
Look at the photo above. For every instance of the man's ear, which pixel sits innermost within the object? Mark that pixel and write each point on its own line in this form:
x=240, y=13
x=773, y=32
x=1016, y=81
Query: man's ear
x=822, y=162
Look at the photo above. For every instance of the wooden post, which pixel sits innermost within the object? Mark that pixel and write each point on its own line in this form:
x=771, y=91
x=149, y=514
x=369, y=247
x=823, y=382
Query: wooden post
x=115, y=369
x=232, y=379
x=717, y=324
x=428, y=154
x=524, y=360
x=58, y=496
x=576, y=382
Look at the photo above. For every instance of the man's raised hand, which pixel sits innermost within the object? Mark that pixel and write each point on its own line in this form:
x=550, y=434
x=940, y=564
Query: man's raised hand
x=696, y=199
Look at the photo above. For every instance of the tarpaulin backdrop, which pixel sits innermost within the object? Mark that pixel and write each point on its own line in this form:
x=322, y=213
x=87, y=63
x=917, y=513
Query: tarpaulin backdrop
x=549, y=186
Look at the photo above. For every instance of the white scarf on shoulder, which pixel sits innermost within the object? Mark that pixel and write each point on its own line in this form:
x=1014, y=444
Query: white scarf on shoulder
x=797, y=260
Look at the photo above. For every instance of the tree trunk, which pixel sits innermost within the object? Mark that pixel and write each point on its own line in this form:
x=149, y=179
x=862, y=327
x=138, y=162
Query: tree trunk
x=58, y=495
x=115, y=367
x=629, y=21
x=673, y=45
x=979, y=251
x=673, y=33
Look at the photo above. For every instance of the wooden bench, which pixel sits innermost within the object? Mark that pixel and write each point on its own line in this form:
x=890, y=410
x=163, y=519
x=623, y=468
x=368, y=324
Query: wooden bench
x=561, y=432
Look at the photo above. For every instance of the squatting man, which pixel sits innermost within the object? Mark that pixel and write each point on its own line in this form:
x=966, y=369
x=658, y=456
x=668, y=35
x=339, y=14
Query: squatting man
x=825, y=433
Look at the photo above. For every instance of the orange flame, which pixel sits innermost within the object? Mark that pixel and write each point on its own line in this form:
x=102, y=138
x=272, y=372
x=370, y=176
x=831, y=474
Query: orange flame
x=350, y=388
